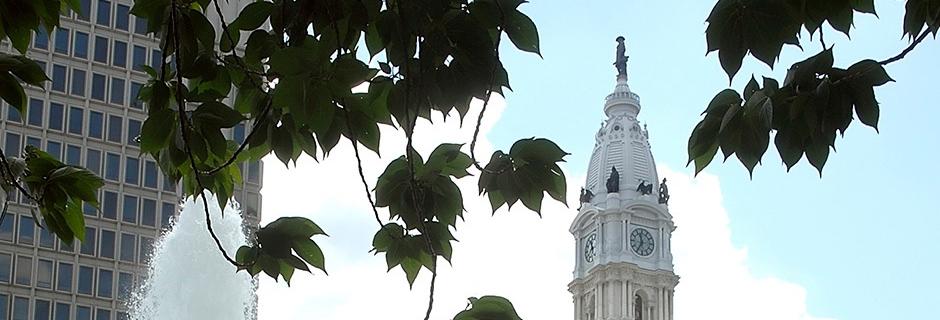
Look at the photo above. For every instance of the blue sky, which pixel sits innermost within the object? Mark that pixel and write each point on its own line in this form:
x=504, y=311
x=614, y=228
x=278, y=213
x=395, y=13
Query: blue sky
x=861, y=239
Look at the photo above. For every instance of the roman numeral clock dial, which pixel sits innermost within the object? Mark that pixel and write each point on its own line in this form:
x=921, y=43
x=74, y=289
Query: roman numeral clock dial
x=641, y=241
x=590, y=245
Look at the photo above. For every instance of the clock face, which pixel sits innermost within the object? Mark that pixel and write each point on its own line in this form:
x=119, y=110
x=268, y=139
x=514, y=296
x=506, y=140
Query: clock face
x=641, y=241
x=590, y=244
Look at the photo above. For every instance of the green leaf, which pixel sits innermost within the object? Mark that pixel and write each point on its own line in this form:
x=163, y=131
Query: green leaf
x=522, y=32
x=12, y=92
x=489, y=308
x=216, y=115
x=310, y=252
x=158, y=130
x=869, y=72
x=253, y=15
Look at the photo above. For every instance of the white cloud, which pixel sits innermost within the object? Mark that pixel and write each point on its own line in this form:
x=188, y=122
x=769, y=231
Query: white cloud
x=716, y=282
x=513, y=254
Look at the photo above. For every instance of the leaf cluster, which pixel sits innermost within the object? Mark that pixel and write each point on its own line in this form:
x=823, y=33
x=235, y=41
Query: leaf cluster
x=815, y=102
x=282, y=246
x=489, y=307
x=60, y=191
x=525, y=174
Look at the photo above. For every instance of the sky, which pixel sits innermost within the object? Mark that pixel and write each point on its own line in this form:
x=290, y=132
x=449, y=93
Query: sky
x=857, y=243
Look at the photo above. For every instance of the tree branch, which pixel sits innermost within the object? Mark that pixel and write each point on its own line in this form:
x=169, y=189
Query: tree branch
x=184, y=125
x=907, y=50
x=362, y=175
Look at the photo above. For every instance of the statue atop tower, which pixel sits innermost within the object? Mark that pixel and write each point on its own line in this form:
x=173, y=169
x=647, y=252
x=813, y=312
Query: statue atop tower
x=621, y=59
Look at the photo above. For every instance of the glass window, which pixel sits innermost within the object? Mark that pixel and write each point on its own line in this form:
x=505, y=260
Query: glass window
x=117, y=91
x=101, y=49
x=4, y=305
x=73, y=155
x=93, y=161
x=6, y=228
x=85, y=10
x=86, y=280
x=133, y=131
x=146, y=247
x=125, y=286
x=11, y=147
x=132, y=171
x=27, y=230
x=44, y=274
x=46, y=238
x=104, y=13
x=150, y=174
x=136, y=103
x=128, y=247
x=34, y=141
x=62, y=311
x=105, y=283
x=20, y=308
x=119, y=53
x=166, y=214
x=76, y=119
x=58, y=77
x=6, y=267
x=140, y=25
x=35, y=112
x=78, y=82
x=41, y=309
x=98, y=83
x=65, y=247
x=82, y=313
x=62, y=40
x=90, y=243
x=148, y=212
x=56, y=116
x=13, y=114
x=156, y=59
x=115, y=128
x=168, y=185
x=54, y=148
x=64, y=281
x=95, y=124
x=80, y=45
x=238, y=133
x=102, y=314
x=89, y=210
x=122, y=17
x=107, y=244
x=24, y=270
x=129, y=213
x=139, y=57
x=109, y=207
x=112, y=170
x=41, y=41
x=254, y=172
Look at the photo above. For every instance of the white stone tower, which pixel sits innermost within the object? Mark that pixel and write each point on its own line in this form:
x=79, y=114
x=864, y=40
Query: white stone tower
x=623, y=230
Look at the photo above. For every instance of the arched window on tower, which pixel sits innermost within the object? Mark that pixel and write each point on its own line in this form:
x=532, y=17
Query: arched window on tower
x=637, y=307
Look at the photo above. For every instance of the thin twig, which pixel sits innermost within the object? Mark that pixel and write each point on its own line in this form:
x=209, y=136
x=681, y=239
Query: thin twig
x=904, y=52
x=181, y=105
x=822, y=38
x=362, y=175
x=264, y=112
x=409, y=133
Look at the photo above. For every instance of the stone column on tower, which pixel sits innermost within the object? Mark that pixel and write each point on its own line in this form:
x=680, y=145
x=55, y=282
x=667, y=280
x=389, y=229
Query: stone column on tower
x=623, y=227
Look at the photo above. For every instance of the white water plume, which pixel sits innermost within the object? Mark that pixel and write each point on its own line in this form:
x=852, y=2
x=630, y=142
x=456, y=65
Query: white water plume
x=188, y=278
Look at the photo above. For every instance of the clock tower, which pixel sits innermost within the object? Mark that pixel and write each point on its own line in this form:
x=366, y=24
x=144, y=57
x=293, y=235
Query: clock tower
x=623, y=230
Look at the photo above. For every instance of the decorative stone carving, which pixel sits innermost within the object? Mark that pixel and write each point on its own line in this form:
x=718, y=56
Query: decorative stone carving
x=663, y=193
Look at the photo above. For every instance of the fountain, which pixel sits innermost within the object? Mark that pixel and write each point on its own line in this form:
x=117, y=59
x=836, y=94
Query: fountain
x=188, y=278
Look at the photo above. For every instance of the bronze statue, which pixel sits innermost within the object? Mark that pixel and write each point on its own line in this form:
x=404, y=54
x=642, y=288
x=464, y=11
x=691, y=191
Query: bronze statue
x=663, y=193
x=644, y=189
x=613, y=182
x=586, y=195
x=621, y=59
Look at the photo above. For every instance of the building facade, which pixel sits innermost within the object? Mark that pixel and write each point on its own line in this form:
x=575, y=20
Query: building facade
x=88, y=115
x=623, y=229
